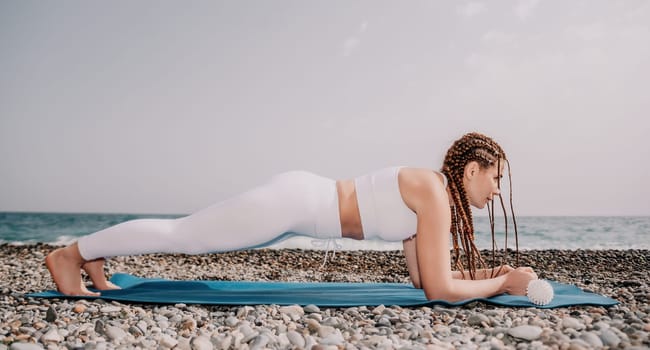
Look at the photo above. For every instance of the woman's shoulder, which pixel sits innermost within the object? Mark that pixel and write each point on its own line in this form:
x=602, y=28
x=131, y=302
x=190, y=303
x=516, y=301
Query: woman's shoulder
x=420, y=185
x=420, y=176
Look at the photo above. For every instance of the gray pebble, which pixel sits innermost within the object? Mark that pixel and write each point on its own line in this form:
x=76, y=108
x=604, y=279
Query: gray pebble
x=281, y=341
x=245, y=329
x=201, y=343
x=324, y=347
x=171, y=332
x=600, y=325
x=494, y=313
x=309, y=342
x=525, y=332
x=383, y=322
x=335, y=338
x=110, y=309
x=312, y=325
x=99, y=327
x=479, y=338
x=142, y=326
x=27, y=330
x=243, y=311
x=259, y=342
x=609, y=338
x=163, y=324
x=135, y=331
x=315, y=316
x=222, y=341
x=296, y=339
x=477, y=319
x=378, y=310
x=50, y=314
x=232, y=321
x=183, y=344
x=25, y=346
x=573, y=323
x=496, y=344
x=115, y=333
x=592, y=339
x=311, y=308
x=250, y=336
x=389, y=313
x=579, y=344
x=144, y=343
x=167, y=341
x=52, y=336
x=332, y=322
x=560, y=337
x=280, y=328
x=324, y=331
x=292, y=311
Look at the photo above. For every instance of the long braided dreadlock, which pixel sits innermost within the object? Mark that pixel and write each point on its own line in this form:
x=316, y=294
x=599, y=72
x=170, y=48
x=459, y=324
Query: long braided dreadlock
x=486, y=152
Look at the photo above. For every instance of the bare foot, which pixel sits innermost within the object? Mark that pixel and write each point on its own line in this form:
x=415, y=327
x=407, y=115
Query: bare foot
x=65, y=267
x=95, y=270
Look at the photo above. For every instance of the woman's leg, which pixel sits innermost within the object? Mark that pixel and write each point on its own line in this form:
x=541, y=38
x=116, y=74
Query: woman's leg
x=65, y=267
x=289, y=202
x=95, y=270
x=247, y=220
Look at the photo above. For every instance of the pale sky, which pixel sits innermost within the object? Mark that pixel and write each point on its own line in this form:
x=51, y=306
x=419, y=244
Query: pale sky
x=168, y=107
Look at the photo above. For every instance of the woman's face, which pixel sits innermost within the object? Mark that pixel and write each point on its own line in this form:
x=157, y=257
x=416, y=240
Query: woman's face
x=481, y=185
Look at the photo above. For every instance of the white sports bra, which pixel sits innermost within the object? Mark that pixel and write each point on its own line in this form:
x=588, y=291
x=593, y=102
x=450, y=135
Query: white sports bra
x=384, y=215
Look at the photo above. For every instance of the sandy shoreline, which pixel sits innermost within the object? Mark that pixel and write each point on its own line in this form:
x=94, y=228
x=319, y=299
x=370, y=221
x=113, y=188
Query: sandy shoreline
x=620, y=274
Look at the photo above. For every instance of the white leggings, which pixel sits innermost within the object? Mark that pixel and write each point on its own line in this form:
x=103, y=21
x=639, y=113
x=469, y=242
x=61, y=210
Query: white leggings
x=290, y=203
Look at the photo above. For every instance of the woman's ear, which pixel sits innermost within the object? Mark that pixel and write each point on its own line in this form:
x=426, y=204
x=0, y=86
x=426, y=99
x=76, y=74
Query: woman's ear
x=472, y=168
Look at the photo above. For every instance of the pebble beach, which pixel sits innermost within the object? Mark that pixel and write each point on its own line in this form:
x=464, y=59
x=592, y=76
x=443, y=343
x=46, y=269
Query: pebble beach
x=29, y=323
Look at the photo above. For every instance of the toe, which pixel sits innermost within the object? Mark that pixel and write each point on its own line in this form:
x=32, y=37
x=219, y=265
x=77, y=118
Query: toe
x=86, y=292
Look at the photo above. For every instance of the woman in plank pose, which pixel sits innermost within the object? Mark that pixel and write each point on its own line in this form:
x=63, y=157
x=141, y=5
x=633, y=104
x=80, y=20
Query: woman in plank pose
x=419, y=207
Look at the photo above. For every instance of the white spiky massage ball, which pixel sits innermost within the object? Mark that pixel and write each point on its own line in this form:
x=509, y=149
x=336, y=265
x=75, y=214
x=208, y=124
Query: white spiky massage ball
x=539, y=292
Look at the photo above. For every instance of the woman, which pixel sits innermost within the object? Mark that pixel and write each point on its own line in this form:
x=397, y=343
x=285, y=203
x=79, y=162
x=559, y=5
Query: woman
x=417, y=206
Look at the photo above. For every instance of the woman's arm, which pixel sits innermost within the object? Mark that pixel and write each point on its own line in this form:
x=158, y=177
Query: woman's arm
x=429, y=200
x=414, y=273
x=482, y=274
x=434, y=260
x=412, y=261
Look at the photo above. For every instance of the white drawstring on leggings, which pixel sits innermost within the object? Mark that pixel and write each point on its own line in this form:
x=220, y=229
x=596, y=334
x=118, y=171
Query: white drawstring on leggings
x=319, y=243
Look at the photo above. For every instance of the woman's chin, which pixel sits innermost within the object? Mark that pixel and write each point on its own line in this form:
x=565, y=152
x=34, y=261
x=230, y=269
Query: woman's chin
x=479, y=206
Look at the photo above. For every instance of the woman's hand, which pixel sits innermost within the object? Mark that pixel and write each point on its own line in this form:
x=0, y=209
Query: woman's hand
x=502, y=270
x=517, y=280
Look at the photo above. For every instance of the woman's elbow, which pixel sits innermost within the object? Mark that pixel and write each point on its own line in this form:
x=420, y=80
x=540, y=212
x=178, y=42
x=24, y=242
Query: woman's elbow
x=445, y=294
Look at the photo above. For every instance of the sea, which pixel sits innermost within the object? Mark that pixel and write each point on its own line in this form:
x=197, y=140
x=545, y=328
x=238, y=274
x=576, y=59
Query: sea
x=534, y=232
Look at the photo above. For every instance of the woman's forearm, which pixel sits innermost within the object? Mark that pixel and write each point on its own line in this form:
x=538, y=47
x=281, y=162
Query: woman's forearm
x=481, y=274
x=459, y=289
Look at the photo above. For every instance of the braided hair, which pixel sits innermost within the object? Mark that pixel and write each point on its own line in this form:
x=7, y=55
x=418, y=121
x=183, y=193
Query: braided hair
x=486, y=152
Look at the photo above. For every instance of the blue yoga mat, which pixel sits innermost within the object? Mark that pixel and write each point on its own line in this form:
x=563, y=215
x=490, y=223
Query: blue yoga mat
x=325, y=294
